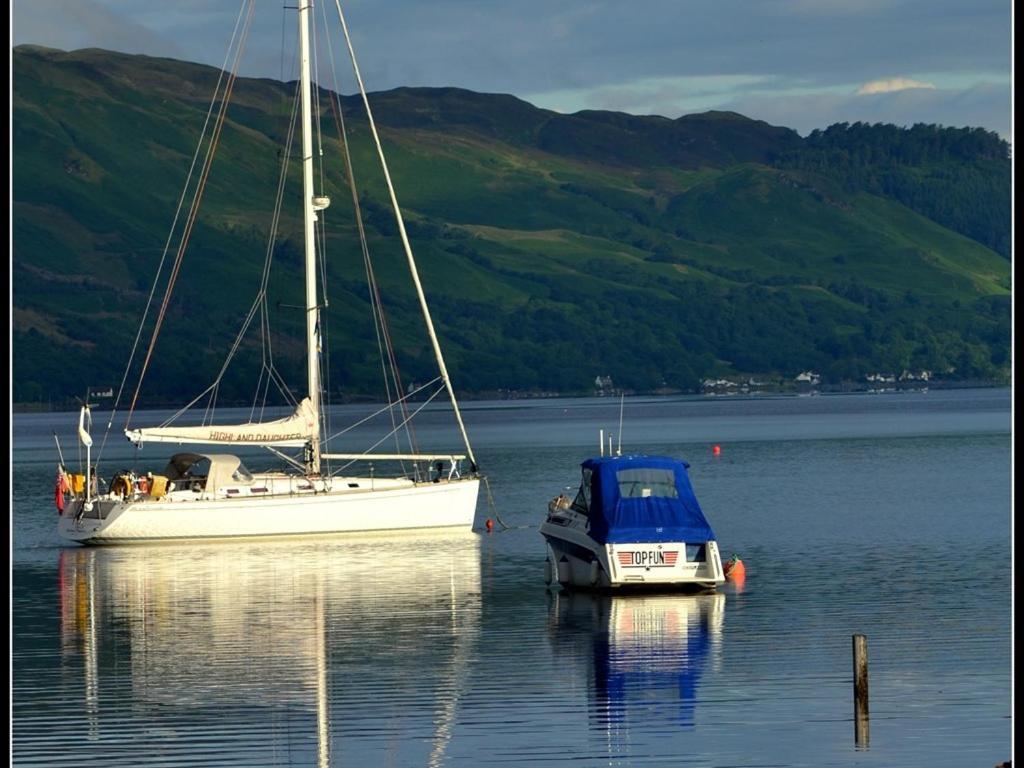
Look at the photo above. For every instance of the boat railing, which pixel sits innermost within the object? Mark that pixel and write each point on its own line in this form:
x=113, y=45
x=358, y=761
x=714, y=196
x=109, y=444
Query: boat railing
x=454, y=460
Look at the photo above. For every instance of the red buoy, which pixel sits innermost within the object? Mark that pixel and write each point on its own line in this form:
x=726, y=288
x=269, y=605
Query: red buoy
x=490, y=525
x=716, y=450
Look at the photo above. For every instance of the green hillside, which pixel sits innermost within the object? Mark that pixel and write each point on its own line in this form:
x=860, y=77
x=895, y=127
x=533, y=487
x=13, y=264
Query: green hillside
x=553, y=248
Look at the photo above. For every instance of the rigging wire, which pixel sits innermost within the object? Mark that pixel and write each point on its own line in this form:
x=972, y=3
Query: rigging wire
x=259, y=303
x=284, y=18
x=381, y=410
x=405, y=243
x=426, y=402
x=174, y=416
x=211, y=404
x=170, y=234
x=193, y=213
x=389, y=407
x=265, y=334
x=385, y=344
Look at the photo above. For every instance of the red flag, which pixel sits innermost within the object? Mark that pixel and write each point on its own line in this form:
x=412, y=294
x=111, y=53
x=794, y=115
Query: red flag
x=60, y=490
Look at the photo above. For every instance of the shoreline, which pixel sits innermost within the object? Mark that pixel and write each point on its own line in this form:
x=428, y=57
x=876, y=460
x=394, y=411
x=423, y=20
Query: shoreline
x=822, y=389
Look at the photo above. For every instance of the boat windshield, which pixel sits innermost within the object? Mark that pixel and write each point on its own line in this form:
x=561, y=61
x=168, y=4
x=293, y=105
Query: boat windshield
x=582, y=501
x=642, y=483
x=206, y=471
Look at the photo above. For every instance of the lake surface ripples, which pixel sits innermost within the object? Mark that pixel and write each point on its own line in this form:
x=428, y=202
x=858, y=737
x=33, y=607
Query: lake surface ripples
x=887, y=515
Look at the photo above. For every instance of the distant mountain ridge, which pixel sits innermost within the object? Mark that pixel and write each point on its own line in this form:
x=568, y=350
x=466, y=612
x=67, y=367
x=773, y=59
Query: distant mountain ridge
x=555, y=248
x=711, y=139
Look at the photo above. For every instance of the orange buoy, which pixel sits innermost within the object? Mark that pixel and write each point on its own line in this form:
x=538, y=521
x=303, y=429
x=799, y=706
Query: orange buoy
x=490, y=525
x=734, y=569
x=716, y=450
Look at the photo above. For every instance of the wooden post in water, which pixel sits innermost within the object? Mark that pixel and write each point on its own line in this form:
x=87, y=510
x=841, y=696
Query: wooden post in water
x=861, y=728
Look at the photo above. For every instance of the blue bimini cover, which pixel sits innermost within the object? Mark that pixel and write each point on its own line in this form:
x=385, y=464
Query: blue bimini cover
x=643, y=499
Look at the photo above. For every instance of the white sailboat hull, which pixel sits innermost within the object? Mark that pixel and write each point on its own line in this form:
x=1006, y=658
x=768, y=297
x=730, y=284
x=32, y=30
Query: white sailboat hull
x=449, y=504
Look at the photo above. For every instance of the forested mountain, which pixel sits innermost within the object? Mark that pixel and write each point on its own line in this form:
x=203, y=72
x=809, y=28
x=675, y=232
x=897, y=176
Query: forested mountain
x=959, y=177
x=553, y=248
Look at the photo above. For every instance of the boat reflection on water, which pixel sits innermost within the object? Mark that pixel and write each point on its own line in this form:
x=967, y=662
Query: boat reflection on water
x=649, y=652
x=216, y=637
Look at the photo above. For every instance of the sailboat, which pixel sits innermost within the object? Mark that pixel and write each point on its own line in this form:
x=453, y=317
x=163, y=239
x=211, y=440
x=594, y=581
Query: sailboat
x=210, y=493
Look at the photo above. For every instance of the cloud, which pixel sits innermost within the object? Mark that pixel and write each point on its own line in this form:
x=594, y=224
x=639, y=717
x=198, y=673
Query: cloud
x=891, y=85
x=665, y=96
x=73, y=24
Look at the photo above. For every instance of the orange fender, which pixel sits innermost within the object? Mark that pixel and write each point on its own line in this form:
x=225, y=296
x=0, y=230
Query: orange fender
x=734, y=569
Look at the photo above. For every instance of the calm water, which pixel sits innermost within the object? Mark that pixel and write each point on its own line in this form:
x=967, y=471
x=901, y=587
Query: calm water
x=882, y=514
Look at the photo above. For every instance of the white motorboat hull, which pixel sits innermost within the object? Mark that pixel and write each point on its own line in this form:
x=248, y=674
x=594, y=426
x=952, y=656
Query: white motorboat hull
x=577, y=561
x=450, y=504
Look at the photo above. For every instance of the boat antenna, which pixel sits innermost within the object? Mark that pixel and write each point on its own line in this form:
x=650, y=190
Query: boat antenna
x=405, y=244
x=622, y=403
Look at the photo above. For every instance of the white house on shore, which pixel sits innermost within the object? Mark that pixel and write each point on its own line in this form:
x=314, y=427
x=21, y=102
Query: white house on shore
x=918, y=376
x=603, y=385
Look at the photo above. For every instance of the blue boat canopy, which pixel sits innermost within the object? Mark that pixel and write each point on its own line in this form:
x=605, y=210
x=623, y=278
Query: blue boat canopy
x=641, y=499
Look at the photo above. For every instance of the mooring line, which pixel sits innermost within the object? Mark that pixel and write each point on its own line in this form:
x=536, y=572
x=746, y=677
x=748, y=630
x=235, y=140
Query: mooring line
x=494, y=508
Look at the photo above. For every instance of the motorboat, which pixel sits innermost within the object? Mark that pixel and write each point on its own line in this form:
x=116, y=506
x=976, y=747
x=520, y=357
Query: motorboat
x=634, y=523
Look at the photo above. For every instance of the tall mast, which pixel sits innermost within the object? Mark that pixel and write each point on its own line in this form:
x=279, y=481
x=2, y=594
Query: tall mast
x=309, y=215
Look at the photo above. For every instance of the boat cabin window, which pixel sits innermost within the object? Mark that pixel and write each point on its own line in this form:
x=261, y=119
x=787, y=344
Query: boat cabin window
x=200, y=469
x=195, y=472
x=639, y=483
x=582, y=501
x=186, y=465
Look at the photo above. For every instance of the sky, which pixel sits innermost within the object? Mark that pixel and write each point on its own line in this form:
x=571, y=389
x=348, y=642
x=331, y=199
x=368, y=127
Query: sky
x=803, y=64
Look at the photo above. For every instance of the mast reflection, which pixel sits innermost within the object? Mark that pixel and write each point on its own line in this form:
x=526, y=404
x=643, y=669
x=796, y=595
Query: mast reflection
x=273, y=634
